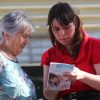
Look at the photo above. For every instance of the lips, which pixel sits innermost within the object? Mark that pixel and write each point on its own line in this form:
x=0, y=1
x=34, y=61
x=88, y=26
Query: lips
x=64, y=39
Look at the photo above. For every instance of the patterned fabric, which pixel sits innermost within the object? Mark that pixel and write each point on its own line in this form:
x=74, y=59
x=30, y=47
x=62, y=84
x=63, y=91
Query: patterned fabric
x=14, y=82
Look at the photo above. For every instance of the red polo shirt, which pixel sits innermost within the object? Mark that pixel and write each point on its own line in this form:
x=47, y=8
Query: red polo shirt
x=88, y=56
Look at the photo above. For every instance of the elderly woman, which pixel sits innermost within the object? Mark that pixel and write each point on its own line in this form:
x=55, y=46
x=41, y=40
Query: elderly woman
x=15, y=30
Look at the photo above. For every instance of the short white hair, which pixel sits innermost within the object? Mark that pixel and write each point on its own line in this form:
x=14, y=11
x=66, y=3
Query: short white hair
x=14, y=21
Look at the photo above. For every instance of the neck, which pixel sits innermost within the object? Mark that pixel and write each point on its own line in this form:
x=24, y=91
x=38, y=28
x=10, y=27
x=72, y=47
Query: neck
x=68, y=47
x=6, y=52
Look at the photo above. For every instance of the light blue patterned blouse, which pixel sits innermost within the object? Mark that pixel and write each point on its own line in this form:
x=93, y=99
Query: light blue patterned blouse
x=14, y=82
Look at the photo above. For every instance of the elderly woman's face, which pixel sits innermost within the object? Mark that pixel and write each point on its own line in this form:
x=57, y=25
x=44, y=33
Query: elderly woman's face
x=18, y=41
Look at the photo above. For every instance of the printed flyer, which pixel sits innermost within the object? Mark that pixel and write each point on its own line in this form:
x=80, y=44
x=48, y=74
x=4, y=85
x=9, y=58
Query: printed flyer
x=56, y=79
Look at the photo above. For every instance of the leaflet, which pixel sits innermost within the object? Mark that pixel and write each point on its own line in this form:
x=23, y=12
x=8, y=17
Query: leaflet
x=56, y=79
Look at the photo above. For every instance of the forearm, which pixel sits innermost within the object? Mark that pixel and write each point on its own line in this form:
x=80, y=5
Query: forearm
x=91, y=80
x=49, y=94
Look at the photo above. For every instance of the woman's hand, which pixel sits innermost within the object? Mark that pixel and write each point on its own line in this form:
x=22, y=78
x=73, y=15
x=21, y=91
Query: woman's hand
x=76, y=74
x=50, y=94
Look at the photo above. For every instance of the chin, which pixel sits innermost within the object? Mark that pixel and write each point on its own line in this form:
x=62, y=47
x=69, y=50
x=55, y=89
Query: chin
x=18, y=52
x=64, y=44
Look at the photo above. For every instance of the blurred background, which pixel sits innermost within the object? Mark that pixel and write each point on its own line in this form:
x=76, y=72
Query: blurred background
x=37, y=10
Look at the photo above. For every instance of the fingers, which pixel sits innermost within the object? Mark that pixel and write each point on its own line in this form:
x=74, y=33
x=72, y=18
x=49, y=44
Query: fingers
x=76, y=74
x=70, y=76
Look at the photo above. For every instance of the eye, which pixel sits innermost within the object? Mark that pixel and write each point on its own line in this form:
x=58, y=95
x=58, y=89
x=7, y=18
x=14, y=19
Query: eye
x=25, y=36
x=56, y=29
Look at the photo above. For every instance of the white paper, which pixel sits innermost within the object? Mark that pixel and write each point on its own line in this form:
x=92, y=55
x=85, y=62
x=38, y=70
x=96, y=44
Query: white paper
x=56, y=80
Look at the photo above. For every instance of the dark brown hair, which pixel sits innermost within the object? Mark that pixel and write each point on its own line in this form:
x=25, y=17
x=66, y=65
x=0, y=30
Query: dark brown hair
x=64, y=14
x=52, y=76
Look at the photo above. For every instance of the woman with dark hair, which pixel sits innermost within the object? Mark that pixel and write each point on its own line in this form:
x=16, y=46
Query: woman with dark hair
x=72, y=45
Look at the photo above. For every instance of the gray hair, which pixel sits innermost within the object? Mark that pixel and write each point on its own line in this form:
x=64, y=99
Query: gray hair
x=14, y=21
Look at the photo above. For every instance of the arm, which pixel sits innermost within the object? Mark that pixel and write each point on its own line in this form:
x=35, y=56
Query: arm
x=49, y=94
x=92, y=80
x=87, y=78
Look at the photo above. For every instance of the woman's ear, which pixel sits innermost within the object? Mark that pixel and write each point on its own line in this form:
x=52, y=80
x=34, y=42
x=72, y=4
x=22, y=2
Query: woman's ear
x=2, y=34
x=5, y=35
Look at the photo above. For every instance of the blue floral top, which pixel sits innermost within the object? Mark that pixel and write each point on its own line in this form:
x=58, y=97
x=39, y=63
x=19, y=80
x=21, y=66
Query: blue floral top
x=14, y=82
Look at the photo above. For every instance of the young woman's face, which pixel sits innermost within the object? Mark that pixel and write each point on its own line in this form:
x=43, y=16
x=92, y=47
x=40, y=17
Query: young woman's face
x=64, y=34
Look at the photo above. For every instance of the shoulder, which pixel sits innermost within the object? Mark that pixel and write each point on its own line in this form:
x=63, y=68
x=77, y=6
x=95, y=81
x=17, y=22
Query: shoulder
x=95, y=46
x=94, y=41
x=48, y=55
x=95, y=50
x=91, y=41
x=90, y=44
x=93, y=38
x=50, y=51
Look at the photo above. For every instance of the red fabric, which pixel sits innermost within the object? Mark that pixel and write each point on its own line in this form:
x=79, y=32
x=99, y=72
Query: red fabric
x=89, y=54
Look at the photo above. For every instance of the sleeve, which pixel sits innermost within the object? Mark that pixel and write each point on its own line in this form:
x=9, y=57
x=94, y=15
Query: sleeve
x=45, y=59
x=96, y=51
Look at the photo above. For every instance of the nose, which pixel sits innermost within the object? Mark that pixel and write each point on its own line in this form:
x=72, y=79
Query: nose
x=63, y=32
x=26, y=41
